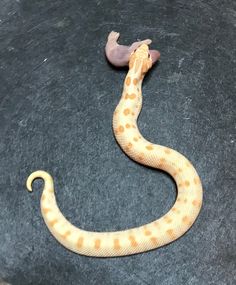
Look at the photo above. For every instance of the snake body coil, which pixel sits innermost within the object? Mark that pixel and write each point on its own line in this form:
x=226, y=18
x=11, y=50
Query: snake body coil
x=146, y=237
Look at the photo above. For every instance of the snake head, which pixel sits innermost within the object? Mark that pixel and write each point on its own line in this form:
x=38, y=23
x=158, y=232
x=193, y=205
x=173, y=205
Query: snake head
x=141, y=60
x=119, y=55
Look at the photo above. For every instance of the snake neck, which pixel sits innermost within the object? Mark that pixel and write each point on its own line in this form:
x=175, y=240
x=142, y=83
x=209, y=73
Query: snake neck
x=130, y=104
x=127, y=111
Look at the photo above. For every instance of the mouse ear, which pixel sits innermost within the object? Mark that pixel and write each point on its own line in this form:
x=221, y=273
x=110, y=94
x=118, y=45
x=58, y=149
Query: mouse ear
x=155, y=55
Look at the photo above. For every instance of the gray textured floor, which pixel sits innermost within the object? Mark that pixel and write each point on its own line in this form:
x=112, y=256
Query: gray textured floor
x=57, y=96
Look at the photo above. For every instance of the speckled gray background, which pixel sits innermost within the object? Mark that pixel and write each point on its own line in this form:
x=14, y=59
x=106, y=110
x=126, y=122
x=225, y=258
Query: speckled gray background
x=57, y=96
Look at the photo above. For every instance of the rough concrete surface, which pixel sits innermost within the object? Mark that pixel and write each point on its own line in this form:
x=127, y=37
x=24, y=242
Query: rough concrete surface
x=57, y=97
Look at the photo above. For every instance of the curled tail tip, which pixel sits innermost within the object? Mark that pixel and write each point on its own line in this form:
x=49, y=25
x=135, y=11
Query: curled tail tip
x=48, y=181
x=29, y=185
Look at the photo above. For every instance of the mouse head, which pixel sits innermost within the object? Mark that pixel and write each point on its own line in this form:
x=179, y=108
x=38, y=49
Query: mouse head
x=140, y=60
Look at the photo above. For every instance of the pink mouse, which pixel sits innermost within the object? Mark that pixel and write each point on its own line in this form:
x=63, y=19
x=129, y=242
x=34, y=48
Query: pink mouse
x=118, y=55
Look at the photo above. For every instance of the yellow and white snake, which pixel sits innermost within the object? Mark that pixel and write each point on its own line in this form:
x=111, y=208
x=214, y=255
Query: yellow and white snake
x=154, y=234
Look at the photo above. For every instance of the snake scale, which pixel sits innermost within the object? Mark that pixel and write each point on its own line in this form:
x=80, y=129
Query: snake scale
x=189, y=189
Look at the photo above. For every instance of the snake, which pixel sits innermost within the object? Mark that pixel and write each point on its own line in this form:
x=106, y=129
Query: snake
x=185, y=210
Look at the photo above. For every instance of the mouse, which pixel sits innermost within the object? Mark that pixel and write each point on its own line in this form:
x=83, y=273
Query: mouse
x=119, y=55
